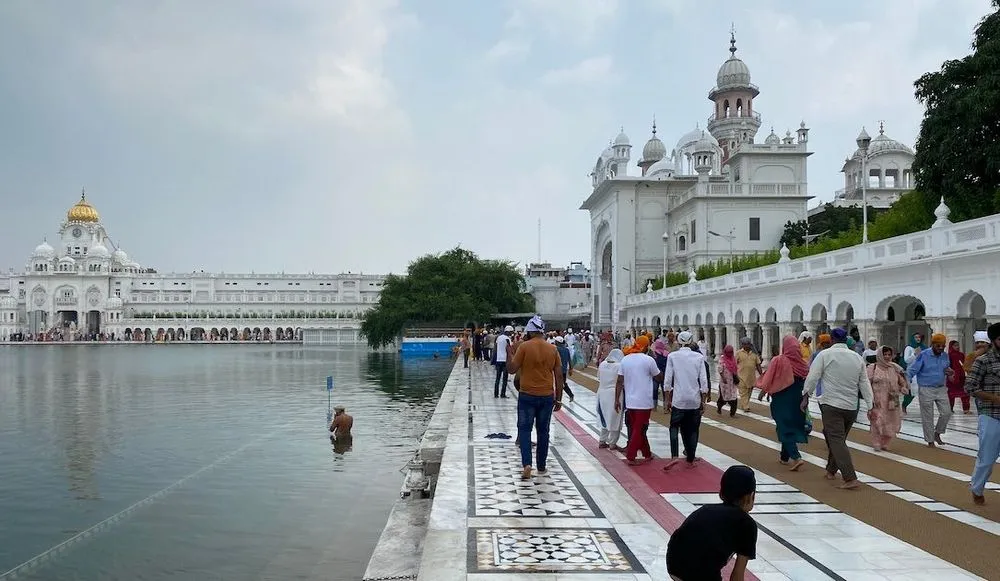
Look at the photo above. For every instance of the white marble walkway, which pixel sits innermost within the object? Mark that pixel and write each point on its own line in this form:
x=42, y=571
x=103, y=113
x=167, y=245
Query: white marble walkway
x=578, y=522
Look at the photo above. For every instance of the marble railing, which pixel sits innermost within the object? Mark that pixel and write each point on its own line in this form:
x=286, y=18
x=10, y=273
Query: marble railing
x=940, y=241
x=241, y=323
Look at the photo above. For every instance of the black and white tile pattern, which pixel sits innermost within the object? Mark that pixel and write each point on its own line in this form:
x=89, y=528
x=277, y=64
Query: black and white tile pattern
x=499, y=490
x=551, y=550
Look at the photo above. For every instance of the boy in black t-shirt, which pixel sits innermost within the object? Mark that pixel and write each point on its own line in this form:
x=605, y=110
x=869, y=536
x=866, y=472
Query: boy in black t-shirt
x=702, y=546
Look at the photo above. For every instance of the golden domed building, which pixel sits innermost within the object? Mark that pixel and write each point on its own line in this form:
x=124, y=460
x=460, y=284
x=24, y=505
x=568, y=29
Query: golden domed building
x=83, y=286
x=82, y=211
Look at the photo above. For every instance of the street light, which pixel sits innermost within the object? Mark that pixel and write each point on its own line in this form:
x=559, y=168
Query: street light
x=863, y=142
x=731, y=236
x=666, y=241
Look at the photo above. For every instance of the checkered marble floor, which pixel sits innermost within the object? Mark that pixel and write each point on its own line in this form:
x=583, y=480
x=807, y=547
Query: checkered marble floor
x=551, y=550
x=499, y=490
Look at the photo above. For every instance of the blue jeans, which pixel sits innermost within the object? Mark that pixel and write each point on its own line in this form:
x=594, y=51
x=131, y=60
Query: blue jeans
x=989, y=451
x=534, y=411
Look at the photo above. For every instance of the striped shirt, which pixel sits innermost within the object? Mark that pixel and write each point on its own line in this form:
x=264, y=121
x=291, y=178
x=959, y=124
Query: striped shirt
x=985, y=376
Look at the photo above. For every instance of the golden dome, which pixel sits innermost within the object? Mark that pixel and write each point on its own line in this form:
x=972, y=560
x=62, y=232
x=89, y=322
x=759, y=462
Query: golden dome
x=83, y=211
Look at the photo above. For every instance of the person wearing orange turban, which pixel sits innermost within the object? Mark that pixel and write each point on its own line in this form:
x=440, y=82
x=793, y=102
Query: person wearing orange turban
x=932, y=369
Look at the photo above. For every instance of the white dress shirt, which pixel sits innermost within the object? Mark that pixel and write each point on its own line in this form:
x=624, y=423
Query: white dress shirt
x=686, y=377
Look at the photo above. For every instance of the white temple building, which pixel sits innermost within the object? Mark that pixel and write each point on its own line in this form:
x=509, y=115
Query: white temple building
x=559, y=293
x=86, y=288
x=716, y=193
x=889, y=166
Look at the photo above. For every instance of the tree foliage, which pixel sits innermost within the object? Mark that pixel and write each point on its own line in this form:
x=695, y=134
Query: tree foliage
x=453, y=288
x=958, y=148
x=833, y=221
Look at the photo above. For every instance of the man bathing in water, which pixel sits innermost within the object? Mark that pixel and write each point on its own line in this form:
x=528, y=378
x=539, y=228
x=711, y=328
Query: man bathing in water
x=342, y=424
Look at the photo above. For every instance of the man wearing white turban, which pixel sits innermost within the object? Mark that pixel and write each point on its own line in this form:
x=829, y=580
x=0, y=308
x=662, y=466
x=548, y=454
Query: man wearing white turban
x=611, y=419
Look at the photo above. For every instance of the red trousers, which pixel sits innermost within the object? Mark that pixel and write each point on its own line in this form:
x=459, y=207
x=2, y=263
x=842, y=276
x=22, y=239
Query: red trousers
x=637, y=422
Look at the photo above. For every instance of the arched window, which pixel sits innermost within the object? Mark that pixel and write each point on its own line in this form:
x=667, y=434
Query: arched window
x=739, y=107
x=681, y=244
x=725, y=108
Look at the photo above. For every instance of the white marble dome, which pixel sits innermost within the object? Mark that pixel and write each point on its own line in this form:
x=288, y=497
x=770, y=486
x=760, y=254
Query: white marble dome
x=705, y=144
x=622, y=139
x=99, y=251
x=654, y=150
x=67, y=260
x=733, y=72
x=772, y=139
x=690, y=137
x=120, y=257
x=882, y=143
x=662, y=168
x=44, y=250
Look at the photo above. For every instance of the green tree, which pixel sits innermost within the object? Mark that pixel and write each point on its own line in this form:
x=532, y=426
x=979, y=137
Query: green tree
x=451, y=288
x=909, y=214
x=958, y=148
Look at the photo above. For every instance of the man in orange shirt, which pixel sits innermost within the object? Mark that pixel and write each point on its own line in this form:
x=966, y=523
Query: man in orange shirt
x=540, y=368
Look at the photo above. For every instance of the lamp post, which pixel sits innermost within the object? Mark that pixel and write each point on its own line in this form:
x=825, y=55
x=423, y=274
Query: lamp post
x=666, y=241
x=731, y=236
x=863, y=142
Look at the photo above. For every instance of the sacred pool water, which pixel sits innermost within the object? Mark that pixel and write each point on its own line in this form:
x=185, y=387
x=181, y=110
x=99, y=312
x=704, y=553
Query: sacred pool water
x=151, y=462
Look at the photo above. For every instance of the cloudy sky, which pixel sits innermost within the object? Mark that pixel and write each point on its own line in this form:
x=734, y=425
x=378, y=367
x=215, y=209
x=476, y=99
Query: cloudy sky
x=355, y=135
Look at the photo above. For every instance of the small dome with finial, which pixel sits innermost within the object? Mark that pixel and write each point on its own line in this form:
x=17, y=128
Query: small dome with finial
x=692, y=276
x=654, y=150
x=733, y=72
x=942, y=212
x=784, y=253
x=772, y=139
x=622, y=139
x=44, y=251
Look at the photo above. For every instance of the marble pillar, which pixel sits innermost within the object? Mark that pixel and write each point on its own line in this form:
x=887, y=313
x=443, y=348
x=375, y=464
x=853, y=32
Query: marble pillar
x=766, y=349
x=719, y=342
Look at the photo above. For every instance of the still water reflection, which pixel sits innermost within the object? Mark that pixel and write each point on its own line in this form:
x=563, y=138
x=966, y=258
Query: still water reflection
x=215, y=458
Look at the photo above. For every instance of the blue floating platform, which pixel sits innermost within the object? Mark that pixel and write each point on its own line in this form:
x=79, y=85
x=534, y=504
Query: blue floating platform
x=429, y=346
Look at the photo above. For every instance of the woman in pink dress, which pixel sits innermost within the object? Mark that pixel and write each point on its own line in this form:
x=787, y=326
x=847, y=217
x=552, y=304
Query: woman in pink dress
x=889, y=384
x=728, y=393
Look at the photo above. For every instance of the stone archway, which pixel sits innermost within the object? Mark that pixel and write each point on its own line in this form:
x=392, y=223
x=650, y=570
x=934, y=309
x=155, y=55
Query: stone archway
x=970, y=317
x=903, y=316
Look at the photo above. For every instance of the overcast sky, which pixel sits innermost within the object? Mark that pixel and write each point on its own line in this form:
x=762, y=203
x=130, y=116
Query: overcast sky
x=356, y=135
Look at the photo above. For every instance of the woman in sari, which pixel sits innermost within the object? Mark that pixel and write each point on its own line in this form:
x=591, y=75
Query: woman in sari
x=888, y=384
x=728, y=393
x=611, y=421
x=956, y=383
x=748, y=366
x=783, y=381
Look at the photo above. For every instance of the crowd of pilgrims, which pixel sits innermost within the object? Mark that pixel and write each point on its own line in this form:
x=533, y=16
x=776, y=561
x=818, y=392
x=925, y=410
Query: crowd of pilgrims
x=634, y=372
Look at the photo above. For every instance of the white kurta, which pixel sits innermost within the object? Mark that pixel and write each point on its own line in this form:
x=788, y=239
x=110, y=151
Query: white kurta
x=611, y=421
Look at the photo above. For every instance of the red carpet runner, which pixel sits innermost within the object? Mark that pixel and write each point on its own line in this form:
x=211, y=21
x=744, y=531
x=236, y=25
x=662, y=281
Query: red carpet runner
x=645, y=483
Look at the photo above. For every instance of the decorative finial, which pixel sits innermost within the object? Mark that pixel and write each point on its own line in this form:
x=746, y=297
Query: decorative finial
x=83, y=194
x=654, y=125
x=881, y=127
x=621, y=129
x=732, y=39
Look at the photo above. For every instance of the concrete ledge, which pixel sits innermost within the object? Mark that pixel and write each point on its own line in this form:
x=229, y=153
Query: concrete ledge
x=399, y=550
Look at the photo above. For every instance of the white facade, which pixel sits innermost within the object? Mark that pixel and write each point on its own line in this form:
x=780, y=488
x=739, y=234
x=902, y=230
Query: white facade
x=715, y=194
x=945, y=279
x=558, y=292
x=889, y=165
x=85, y=288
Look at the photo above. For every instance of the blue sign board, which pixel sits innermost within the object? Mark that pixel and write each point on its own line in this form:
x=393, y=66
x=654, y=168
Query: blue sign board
x=329, y=383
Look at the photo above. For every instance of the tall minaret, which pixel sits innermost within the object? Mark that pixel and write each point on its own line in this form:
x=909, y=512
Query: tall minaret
x=734, y=121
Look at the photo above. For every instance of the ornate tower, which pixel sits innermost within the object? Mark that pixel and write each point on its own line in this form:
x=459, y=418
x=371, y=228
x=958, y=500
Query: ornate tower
x=734, y=121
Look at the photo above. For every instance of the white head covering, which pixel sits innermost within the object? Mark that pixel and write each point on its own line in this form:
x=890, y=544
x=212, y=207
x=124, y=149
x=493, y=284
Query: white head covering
x=535, y=325
x=615, y=356
x=508, y=329
x=981, y=337
x=684, y=337
x=805, y=335
x=559, y=339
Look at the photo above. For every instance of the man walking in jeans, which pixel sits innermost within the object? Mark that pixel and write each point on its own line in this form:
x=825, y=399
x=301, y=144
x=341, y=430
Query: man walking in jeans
x=503, y=344
x=983, y=383
x=843, y=374
x=685, y=383
x=541, y=372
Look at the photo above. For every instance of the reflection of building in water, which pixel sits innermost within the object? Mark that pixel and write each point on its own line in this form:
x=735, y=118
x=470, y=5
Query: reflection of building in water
x=79, y=423
x=86, y=287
